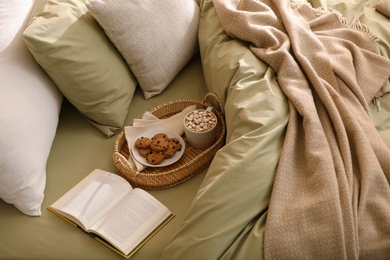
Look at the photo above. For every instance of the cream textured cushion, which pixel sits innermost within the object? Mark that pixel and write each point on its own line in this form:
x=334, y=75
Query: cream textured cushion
x=29, y=107
x=74, y=50
x=156, y=38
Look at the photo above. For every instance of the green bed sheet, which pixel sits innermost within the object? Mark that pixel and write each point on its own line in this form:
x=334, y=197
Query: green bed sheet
x=228, y=216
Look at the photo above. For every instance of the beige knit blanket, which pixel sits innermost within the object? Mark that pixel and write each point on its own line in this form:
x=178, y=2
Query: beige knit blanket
x=383, y=6
x=331, y=196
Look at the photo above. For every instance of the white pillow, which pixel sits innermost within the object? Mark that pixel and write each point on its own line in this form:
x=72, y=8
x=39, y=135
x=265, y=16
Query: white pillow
x=156, y=38
x=29, y=109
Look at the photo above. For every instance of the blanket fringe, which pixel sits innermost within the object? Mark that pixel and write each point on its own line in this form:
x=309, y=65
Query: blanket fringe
x=355, y=24
x=377, y=103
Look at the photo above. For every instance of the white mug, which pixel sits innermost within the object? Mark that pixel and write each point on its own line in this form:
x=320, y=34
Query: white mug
x=200, y=127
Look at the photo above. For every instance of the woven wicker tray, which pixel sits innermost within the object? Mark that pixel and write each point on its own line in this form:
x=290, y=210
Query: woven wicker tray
x=192, y=161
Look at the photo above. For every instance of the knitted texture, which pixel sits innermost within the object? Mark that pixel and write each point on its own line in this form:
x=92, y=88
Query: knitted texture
x=156, y=38
x=331, y=196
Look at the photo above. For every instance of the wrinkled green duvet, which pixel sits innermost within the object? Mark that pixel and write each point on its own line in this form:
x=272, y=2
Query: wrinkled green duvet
x=228, y=216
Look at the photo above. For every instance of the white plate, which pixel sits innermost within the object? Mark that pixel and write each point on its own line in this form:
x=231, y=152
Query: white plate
x=166, y=162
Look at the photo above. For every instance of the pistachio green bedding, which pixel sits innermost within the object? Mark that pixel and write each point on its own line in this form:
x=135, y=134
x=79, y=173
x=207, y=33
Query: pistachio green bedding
x=221, y=212
x=79, y=148
x=228, y=216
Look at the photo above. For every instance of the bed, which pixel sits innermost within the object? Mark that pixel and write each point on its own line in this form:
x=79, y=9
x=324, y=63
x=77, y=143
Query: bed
x=286, y=184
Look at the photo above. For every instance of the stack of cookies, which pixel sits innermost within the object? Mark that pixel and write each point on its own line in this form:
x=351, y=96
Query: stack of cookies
x=158, y=148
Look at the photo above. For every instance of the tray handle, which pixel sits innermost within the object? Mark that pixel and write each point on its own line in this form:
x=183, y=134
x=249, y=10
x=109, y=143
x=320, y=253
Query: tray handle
x=216, y=98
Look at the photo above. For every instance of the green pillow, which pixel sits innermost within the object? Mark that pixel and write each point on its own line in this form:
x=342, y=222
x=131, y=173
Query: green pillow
x=74, y=50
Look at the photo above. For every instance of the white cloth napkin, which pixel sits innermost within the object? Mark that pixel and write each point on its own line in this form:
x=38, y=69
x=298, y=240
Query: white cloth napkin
x=150, y=122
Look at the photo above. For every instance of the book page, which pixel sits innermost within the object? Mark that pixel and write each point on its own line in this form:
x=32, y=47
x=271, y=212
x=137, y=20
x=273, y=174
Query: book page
x=92, y=197
x=135, y=217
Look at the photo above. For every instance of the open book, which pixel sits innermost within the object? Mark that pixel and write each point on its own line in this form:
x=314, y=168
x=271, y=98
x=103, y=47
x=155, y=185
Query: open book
x=105, y=204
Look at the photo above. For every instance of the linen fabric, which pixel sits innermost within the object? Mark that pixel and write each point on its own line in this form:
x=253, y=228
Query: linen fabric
x=29, y=109
x=156, y=38
x=73, y=49
x=227, y=217
x=331, y=191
